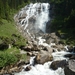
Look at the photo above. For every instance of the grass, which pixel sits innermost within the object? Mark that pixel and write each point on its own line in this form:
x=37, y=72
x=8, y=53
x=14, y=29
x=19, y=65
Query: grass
x=10, y=55
x=12, y=50
x=8, y=28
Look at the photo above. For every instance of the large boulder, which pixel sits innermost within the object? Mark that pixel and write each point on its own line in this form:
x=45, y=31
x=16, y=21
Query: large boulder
x=42, y=58
x=56, y=64
x=70, y=69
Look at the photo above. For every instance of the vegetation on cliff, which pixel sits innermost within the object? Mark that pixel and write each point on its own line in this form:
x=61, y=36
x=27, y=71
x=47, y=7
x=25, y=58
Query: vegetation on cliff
x=63, y=23
x=10, y=38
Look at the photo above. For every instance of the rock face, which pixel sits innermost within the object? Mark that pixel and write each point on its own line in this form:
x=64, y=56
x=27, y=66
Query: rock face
x=41, y=59
x=55, y=64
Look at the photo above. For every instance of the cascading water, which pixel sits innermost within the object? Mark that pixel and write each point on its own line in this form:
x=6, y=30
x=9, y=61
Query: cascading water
x=36, y=17
x=32, y=20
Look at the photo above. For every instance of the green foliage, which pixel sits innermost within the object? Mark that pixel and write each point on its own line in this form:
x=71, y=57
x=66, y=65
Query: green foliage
x=7, y=59
x=7, y=29
x=64, y=18
x=18, y=40
x=7, y=5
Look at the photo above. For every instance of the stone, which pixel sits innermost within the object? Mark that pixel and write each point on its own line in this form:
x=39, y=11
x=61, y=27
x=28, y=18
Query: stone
x=28, y=68
x=29, y=53
x=70, y=69
x=42, y=58
x=68, y=55
x=70, y=48
x=61, y=63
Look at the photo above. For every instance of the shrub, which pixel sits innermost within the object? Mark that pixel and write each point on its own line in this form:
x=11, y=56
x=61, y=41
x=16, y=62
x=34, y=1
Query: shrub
x=7, y=59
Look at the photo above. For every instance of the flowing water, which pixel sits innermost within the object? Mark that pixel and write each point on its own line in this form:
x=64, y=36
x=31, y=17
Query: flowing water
x=33, y=19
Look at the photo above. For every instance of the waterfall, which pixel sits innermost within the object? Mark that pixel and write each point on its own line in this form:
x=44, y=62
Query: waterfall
x=35, y=17
x=32, y=21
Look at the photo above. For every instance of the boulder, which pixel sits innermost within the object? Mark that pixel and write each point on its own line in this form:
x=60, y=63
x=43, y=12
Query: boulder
x=28, y=68
x=70, y=48
x=68, y=55
x=55, y=64
x=42, y=58
x=72, y=64
x=68, y=71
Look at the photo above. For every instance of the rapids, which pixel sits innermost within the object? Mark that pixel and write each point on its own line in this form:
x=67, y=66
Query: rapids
x=32, y=21
x=44, y=69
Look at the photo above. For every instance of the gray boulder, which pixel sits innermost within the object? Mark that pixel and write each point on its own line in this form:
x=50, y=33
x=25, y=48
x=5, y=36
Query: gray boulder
x=56, y=64
x=70, y=69
x=41, y=59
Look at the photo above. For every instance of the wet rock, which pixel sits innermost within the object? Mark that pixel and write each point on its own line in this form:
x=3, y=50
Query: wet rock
x=55, y=64
x=32, y=19
x=72, y=57
x=72, y=64
x=23, y=16
x=70, y=48
x=28, y=68
x=41, y=59
x=68, y=55
x=70, y=69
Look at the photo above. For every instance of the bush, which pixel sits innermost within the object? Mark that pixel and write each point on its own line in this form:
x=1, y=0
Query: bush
x=7, y=59
x=18, y=40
